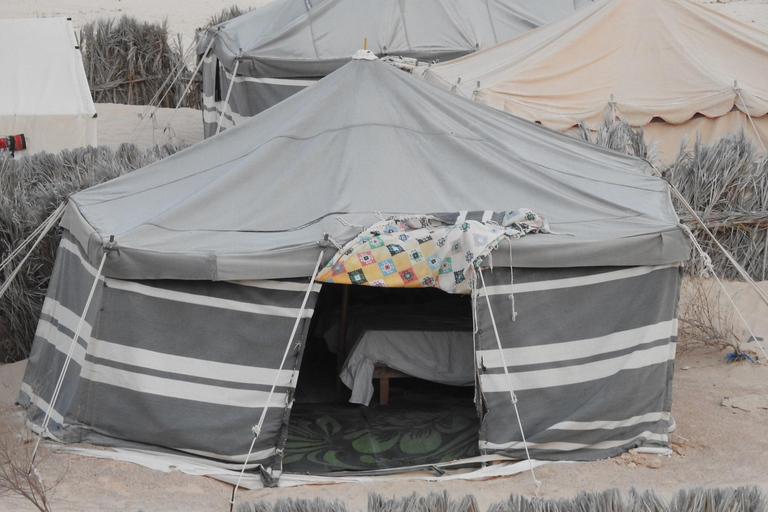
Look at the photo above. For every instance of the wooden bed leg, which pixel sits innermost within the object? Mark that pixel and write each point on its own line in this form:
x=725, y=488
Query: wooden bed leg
x=383, y=390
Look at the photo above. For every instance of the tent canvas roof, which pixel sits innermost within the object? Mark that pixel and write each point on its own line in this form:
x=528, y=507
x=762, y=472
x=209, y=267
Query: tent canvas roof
x=44, y=92
x=670, y=59
x=285, y=39
x=254, y=201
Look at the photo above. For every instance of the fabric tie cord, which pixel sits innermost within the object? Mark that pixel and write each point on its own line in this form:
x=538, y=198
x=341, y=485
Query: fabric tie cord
x=427, y=251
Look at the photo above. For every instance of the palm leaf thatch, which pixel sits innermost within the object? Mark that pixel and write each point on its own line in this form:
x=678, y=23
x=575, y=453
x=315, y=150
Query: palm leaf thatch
x=742, y=499
x=294, y=505
x=33, y=187
x=133, y=62
x=619, y=136
x=726, y=183
x=226, y=14
x=434, y=502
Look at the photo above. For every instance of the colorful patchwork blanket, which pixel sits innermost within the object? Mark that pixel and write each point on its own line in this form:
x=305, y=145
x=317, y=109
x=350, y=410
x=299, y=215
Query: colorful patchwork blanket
x=435, y=251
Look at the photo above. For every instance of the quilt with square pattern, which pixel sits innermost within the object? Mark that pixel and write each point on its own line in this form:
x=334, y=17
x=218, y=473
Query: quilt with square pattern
x=433, y=251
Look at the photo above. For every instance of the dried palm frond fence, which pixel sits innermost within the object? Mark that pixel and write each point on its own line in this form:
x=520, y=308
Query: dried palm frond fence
x=32, y=188
x=726, y=183
x=137, y=63
x=226, y=14
x=741, y=499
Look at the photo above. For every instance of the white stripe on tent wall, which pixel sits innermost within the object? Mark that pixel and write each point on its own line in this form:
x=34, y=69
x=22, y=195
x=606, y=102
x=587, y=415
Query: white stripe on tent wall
x=273, y=81
x=41, y=404
x=61, y=342
x=215, y=460
x=277, y=285
x=204, y=369
x=571, y=282
x=554, y=377
x=67, y=319
x=212, y=111
x=254, y=458
x=201, y=300
x=610, y=425
x=74, y=249
x=184, y=390
x=580, y=348
x=292, y=82
x=144, y=358
x=567, y=447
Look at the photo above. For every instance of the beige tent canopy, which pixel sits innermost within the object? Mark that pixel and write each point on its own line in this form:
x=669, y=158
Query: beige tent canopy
x=669, y=66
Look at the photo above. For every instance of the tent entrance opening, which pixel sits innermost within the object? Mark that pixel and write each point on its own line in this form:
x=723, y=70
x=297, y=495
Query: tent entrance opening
x=422, y=340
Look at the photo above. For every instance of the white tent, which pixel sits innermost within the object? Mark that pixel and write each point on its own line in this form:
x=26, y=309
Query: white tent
x=44, y=93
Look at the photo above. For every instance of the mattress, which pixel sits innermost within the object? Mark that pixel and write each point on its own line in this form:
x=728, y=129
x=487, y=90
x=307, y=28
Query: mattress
x=446, y=357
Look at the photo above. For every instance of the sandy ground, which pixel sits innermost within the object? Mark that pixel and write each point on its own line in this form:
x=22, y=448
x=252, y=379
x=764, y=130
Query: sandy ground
x=146, y=127
x=751, y=12
x=715, y=444
x=184, y=16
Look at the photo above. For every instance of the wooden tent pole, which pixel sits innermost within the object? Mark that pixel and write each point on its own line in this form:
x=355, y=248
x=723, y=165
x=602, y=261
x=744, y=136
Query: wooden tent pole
x=341, y=348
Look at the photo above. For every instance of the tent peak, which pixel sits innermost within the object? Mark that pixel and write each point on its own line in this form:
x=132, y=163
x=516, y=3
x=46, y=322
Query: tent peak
x=364, y=55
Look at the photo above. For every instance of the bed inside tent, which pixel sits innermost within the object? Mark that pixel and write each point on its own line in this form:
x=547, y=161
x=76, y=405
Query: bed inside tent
x=415, y=346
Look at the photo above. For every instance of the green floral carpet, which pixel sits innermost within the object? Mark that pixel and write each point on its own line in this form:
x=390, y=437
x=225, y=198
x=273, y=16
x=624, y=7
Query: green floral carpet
x=414, y=429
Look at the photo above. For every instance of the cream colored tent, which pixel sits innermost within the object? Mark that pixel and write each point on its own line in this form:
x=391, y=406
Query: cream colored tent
x=670, y=66
x=44, y=93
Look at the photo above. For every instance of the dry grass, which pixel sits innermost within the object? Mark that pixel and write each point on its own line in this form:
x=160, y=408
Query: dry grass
x=132, y=62
x=741, y=499
x=703, y=322
x=226, y=14
x=33, y=187
x=726, y=183
x=18, y=478
x=618, y=136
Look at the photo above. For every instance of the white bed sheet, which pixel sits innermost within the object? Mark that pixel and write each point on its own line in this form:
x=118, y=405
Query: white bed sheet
x=446, y=357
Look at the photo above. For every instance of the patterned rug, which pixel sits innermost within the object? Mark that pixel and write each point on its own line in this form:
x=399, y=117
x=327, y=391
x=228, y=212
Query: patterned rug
x=415, y=428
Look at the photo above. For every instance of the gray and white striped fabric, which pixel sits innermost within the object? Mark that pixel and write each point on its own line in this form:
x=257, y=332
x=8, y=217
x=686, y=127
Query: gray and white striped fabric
x=249, y=96
x=590, y=356
x=179, y=365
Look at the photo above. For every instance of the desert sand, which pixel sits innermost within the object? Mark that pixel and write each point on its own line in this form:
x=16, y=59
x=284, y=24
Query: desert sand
x=721, y=409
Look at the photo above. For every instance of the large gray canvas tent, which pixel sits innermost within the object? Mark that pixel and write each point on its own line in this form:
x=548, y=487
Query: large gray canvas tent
x=290, y=44
x=213, y=250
